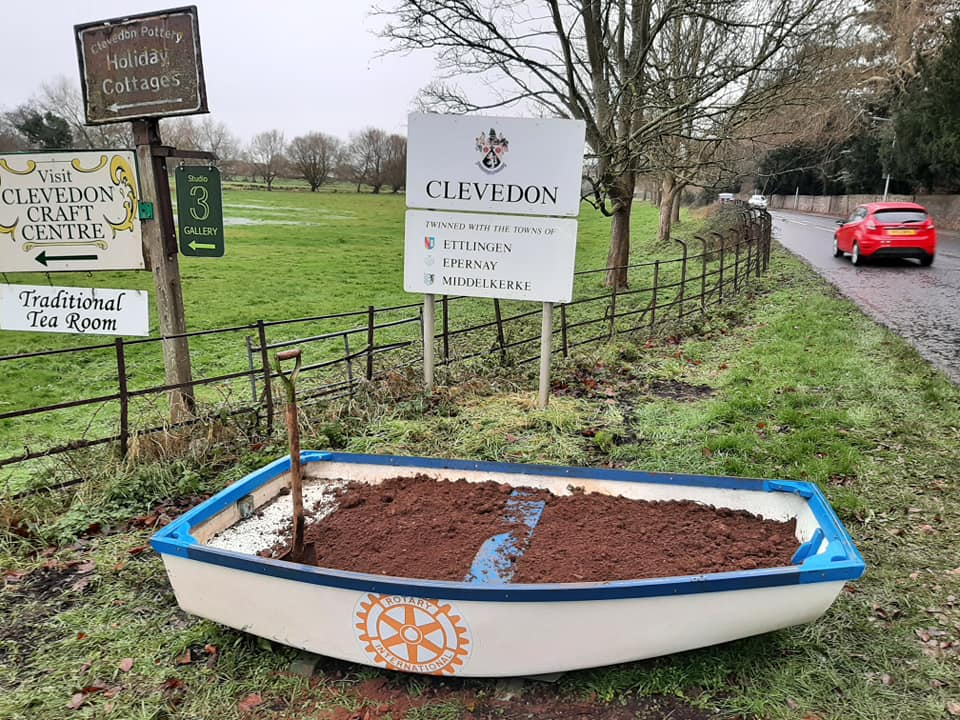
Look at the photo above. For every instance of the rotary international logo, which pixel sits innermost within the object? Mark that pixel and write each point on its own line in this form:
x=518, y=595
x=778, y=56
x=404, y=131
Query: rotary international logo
x=412, y=634
x=492, y=148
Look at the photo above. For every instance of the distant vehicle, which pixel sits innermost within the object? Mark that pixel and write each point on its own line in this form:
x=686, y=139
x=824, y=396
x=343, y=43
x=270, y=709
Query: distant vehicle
x=887, y=229
x=757, y=201
x=726, y=198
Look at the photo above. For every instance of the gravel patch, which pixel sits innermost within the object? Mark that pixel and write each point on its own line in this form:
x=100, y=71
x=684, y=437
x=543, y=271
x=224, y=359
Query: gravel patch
x=271, y=523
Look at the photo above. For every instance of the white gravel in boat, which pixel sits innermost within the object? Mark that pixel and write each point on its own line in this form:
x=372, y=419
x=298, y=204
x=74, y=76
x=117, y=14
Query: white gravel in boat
x=271, y=522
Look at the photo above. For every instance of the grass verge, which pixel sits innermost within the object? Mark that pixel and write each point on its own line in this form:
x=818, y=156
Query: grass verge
x=791, y=382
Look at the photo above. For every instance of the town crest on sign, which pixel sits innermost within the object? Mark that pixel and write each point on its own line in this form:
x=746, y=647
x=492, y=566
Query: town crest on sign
x=492, y=148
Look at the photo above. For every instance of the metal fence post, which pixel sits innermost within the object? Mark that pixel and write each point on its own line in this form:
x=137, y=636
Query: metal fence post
x=563, y=331
x=613, y=312
x=683, y=278
x=500, y=336
x=703, y=275
x=653, y=300
x=370, y=323
x=253, y=371
x=267, y=384
x=124, y=398
x=445, y=302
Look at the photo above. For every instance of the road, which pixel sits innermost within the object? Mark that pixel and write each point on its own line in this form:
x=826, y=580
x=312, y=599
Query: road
x=922, y=305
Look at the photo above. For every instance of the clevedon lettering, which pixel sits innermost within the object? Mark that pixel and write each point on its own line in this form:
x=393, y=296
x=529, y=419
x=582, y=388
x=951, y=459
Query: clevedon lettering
x=494, y=192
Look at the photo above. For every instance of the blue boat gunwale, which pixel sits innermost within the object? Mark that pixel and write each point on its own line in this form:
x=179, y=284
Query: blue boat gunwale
x=839, y=562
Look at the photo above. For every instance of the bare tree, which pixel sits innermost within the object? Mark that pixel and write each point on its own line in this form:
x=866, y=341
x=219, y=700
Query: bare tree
x=315, y=156
x=266, y=151
x=369, y=152
x=62, y=96
x=182, y=133
x=395, y=171
x=595, y=60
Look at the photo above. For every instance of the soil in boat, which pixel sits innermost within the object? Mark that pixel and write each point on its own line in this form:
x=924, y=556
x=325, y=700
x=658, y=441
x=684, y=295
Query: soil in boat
x=418, y=527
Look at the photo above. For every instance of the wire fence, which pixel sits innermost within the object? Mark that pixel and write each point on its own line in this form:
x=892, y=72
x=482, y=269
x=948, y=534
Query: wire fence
x=233, y=367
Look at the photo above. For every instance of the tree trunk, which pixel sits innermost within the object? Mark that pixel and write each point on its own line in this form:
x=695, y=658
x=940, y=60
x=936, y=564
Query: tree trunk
x=676, y=205
x=668, y=191
x=619, y=255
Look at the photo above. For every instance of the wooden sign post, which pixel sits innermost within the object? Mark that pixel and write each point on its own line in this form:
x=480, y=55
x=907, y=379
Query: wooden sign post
x=142, y=68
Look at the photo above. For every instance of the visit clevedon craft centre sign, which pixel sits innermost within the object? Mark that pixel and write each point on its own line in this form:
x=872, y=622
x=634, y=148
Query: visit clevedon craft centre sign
x=493, y=164
x=141, y=66
x=69, y=210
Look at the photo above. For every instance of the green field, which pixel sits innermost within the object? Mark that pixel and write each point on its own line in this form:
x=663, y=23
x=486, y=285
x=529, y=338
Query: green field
x=288, y=255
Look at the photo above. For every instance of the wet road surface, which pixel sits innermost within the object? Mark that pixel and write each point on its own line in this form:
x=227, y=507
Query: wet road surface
x=922, y=305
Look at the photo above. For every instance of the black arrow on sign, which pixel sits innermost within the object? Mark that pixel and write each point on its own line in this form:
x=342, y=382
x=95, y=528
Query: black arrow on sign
x=43, y=258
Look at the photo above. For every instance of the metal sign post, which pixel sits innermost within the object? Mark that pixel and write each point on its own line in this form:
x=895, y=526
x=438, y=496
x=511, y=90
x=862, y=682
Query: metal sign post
x=492, y=205
x=546, y=346
x=429, y=324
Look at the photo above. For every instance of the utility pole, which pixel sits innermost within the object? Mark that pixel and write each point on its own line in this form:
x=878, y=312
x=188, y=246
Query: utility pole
x=886, y=182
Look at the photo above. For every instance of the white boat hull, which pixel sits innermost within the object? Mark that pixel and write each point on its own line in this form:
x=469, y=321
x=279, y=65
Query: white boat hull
x=463, y=629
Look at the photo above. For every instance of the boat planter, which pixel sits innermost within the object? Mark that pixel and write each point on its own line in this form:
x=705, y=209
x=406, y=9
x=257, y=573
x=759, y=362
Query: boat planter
x=486, y=627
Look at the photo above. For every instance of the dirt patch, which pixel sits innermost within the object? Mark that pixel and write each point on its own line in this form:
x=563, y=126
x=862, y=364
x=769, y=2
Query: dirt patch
x=677, y=390
x=511, y=699
x=456, y=530
x=27, y=603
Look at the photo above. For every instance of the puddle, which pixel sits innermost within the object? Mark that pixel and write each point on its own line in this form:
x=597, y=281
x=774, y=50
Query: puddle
x=252, y=221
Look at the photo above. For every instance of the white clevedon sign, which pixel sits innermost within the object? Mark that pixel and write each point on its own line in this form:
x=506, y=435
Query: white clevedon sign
x=85, y=311
x=70, y=210
x=495, y=164
x=503, y=256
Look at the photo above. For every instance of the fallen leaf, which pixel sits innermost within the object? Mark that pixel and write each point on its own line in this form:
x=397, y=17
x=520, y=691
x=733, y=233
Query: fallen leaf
x=210, y=649
x=792, y=704
x=81, y=636
x=172, y=684
x=886, y=679
x=186, y=658
x=914, y=575
x=138, y=549
x=926, y=529
x=954, y=708
x=249, y=702
x=126, y=665
x=77, y=701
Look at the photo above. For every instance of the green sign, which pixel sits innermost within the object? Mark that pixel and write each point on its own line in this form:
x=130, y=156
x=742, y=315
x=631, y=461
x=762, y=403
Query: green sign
x=199, y=211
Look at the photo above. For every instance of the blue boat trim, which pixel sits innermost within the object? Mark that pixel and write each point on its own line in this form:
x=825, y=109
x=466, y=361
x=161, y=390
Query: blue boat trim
x=841, y=560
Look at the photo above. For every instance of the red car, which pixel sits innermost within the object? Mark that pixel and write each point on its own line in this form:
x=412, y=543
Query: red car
x=887, y=229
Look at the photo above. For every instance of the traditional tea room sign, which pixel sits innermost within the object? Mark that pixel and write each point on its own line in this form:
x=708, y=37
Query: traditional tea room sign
x=69, y=210
x=141, y=66
x=83, y=311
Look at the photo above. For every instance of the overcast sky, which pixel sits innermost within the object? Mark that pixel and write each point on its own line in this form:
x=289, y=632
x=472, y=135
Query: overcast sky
x=295, y=65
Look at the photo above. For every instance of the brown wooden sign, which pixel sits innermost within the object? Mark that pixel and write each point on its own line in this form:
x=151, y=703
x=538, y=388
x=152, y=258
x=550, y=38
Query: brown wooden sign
x=141, y=66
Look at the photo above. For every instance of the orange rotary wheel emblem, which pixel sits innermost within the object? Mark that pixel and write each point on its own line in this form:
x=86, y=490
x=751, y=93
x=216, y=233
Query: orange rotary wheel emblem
x=412, y=634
